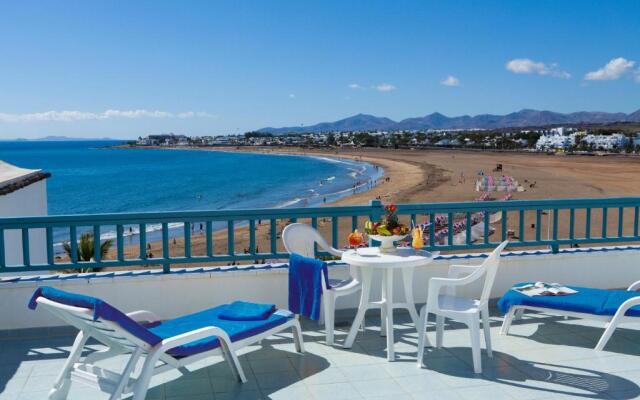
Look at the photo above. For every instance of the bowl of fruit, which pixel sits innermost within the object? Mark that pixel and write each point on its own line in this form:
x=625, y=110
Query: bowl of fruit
x=388, y=230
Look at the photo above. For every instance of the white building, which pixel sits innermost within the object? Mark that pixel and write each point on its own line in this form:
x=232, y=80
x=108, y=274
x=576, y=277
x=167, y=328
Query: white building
x=23, y=192
x=555, y=140
x=606, y=142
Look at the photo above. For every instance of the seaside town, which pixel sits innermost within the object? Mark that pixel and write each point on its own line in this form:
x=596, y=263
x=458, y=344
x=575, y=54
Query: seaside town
x=556, y=139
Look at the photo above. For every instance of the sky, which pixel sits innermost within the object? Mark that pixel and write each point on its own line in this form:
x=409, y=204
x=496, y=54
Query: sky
x=128, y=69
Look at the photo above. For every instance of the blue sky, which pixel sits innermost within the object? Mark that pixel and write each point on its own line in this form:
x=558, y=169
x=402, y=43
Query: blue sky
x=123, y=69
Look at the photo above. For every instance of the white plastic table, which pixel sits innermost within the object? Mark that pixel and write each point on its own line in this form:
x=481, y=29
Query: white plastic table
x=369, y=259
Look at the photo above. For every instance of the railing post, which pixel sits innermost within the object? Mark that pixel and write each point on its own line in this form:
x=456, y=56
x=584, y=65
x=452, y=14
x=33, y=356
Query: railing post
x=375, y=214
x=3, y=262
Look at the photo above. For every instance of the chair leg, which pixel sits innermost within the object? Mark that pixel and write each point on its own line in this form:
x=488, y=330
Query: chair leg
x=486, y=326
x=506, y=323
x=422, y=335
x=329, y=317
x=322, y=319
x=519, y=314
x=126, y=374
x=233, y=361
x=608, y=332
x=297, y=336
x=474, y=329
x=62, y=385
x=142, y=383
x=439, y=330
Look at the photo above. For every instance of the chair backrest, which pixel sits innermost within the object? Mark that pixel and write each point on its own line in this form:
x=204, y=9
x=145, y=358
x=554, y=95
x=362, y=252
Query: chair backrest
x=107, y=332
x=301, y=239
x=96, y=317
x=490, y=267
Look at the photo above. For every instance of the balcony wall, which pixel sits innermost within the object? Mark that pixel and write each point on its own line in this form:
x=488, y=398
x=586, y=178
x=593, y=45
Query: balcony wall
x=174, y=294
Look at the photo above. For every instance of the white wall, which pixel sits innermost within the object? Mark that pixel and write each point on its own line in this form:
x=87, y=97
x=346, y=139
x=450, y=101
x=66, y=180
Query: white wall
x=28, y=201
x=173, y=294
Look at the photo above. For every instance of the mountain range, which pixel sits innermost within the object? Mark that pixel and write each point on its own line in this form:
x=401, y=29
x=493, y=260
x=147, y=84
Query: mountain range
x=522, y=118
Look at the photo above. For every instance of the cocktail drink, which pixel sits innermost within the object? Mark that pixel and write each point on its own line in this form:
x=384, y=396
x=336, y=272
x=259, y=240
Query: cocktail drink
x=355, y=239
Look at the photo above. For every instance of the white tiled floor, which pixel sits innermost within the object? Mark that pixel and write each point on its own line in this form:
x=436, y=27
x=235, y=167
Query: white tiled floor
x=544, y=358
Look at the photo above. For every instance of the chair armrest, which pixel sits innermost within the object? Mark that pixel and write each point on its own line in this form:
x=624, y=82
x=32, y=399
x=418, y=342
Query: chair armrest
x=456, y=270
x=634, y=286
x=335, y=252
x=624, y=307
x=436, y=285
x=194, y=335
x=143, y=316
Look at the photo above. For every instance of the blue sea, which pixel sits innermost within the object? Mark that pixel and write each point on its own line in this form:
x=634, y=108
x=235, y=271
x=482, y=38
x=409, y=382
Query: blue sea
x=89, y=178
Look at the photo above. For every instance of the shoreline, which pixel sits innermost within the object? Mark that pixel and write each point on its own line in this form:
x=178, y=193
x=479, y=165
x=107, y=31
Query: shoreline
x=395, y=183
x=423, y=176
x=390, y=168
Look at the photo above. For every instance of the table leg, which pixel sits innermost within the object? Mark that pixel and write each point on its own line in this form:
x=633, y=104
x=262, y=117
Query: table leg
x=383, y=309
x=388, y=305
x=366, y=274
x=407, y=281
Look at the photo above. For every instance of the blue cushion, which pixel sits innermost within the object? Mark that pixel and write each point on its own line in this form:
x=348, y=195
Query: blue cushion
x=244, y=311
x=587, y=300
x=237, y=330
x=101, y=309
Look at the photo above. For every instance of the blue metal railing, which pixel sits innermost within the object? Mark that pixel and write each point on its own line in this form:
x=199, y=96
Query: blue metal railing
x=526, y=223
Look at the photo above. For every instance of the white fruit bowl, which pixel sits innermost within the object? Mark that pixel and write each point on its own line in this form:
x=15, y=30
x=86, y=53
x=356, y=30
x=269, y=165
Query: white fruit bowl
x=387, y=242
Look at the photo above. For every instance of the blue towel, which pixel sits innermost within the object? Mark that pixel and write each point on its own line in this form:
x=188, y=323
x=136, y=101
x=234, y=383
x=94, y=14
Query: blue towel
x=244, y=311
x=305, y=285
x=587, y=300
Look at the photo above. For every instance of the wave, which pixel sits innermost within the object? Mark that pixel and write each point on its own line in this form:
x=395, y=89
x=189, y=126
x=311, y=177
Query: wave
x=135, y=231
x=290, y=202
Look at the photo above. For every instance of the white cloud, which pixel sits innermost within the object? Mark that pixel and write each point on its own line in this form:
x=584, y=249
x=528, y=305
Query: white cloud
x=385, y=87
x=527, y=66
x=450, y=81
x=355, y=86
x=613, y=70
x=67, y=116
x=292, y=96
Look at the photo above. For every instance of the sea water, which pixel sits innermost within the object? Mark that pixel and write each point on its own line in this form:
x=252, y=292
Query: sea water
x=89, y=177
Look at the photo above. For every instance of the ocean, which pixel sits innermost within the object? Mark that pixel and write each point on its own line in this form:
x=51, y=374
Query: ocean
x=88, y=178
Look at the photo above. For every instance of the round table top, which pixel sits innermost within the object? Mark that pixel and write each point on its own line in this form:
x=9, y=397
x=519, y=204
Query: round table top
x=403, y=257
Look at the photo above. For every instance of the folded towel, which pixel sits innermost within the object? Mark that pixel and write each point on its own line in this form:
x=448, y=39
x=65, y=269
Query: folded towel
x=244, y=311
x=305, y=285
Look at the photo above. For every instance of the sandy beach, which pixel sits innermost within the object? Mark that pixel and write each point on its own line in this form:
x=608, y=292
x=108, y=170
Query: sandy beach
x=423, y=176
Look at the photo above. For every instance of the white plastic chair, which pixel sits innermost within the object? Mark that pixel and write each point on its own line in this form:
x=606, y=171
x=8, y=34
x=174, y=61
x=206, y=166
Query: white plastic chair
x=462, y=309
x=301, y=239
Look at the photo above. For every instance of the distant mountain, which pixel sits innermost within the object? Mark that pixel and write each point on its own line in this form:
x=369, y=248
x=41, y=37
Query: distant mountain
x=357, y=122
x=522, y=118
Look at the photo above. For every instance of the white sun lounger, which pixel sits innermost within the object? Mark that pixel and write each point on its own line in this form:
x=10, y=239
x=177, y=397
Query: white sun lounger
x=196, y=337
x=611, y=306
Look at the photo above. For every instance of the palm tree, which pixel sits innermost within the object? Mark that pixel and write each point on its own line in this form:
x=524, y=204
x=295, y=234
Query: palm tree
x=85, y=251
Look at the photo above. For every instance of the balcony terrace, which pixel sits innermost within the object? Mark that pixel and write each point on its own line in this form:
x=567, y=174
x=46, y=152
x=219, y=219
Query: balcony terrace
x=544, y=356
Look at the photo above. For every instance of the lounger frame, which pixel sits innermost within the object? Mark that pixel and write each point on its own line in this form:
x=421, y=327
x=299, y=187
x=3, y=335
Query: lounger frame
x=611, y=322
x=119, y=342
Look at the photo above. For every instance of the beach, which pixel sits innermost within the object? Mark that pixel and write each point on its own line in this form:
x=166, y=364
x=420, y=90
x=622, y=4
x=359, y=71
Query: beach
x=423, y=176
